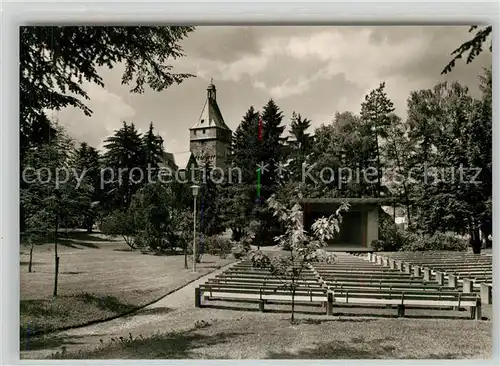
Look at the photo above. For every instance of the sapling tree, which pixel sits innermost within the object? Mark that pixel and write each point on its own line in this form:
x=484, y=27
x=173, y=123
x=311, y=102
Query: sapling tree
x=122, y=223
x=306, y=247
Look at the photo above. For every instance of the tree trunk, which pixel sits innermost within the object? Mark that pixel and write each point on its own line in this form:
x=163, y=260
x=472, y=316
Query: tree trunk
x=56, y=257
x=485, y=233
x=31, y=257
x=474, y=239
x=407, y=199
x=237, y=234
x=90, y=224
x=293, y=303
x=185, y=256
x=378, y=161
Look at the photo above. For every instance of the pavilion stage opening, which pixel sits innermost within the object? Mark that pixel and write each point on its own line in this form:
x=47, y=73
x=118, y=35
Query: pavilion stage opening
x=359, y=225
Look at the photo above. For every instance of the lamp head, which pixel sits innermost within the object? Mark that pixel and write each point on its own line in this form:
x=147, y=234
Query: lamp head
x=195, y=190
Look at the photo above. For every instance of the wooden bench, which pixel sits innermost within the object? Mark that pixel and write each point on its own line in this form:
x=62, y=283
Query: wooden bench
x=411, y=299
x=454, y=273
x=262, y=295
x=353, y=282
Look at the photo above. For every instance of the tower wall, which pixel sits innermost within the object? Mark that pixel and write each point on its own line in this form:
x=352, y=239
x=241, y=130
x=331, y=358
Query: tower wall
x=217, y=150
x=211, y=136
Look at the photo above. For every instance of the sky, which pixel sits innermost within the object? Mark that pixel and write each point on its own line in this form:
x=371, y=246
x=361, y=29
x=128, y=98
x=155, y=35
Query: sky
x=315, y=71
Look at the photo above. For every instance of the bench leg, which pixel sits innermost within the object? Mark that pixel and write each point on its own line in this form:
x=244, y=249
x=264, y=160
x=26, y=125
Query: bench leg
x=401, y=311
x=197, y=297
x=329, y=304
x=427, y=274
x=486, y=294
x=472, y=312
x=439, y=278
x=452, y=281
x=476, y=312
x=261, y=305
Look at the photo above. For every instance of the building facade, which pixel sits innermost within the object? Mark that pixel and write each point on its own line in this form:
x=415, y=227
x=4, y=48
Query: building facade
x=360, y=224
x=210, y=137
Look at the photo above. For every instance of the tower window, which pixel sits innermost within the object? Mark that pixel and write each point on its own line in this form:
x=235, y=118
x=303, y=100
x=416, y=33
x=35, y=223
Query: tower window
x=202, y=120
x=203, y=131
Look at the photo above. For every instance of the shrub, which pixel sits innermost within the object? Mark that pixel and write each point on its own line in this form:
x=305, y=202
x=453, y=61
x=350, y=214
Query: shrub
x=139, y=240
x=437, y=241
x=121, y=223
x=392, y=237
x=218, y=245
x=239, y=250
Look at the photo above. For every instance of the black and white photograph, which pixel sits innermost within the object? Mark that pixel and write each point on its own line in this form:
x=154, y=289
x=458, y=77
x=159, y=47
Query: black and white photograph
x=255, y=192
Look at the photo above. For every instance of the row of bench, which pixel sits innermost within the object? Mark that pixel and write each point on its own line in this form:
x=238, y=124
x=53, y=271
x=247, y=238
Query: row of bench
x=358, y=282
x=473, y=266
x=351, y=281
x=245, y=283
x=471, y=273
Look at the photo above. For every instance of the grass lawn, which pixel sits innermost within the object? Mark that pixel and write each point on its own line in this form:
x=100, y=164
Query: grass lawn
x=98, y=279
x=259, y=336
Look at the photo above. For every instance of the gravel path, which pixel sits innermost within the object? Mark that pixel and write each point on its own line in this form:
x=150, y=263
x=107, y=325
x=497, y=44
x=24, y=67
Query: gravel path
x=167, y=314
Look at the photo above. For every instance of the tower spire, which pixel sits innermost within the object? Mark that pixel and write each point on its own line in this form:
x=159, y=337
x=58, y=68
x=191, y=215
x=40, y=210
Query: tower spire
x=211, y=95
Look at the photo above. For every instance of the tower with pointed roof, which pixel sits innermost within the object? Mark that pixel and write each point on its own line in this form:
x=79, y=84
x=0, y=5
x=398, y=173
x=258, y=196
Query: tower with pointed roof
x=210, y=137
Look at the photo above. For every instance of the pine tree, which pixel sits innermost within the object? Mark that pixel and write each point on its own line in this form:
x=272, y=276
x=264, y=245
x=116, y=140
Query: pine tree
x=244, y=145
x=125, y=158
x=152, y=150
x=210, y=197
x=270, y=149
x=240, y=197
x=299, y=126
x=270, y=153
x=87, y=165
x=299, y=148
x=375, y=113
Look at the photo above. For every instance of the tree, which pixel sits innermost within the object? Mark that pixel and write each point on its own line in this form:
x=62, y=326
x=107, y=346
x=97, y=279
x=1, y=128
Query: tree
x=269, y=152
x=239, y=199
x=124, y=157
x=375, y=113
x=54, y=61
x=151, y=207
x=306, y=248
x=153, y=150
x=299, y=126
x=270, y=149
x=210, y=201
x=124, y=223
x=181, y=217
x=51, y=196
x=344, y=150
x=88, y=167
x=236, y=207
x=474, y=46
x=451, y=137
x=481, y=139
x=397, y=154
x=301, y=146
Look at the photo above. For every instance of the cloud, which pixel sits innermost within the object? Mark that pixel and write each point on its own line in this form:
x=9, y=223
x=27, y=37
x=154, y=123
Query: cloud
x=222, y=43
x=109, y=112
x=289, y=88
x=315, y=71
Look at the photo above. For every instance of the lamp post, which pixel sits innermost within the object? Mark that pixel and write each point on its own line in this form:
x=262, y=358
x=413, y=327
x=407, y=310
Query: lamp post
x=195, y=190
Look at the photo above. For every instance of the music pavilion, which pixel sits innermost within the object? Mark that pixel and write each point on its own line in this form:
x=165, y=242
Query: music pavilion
x=359, y=225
